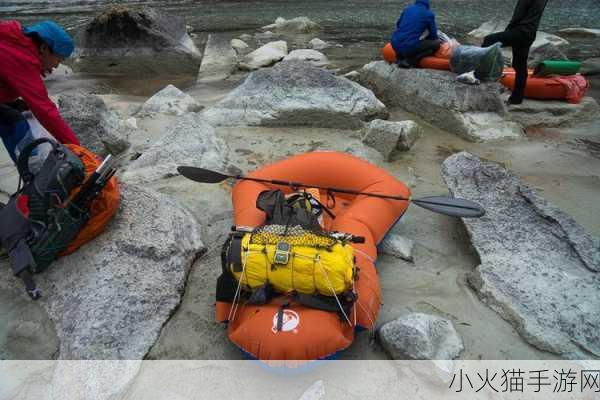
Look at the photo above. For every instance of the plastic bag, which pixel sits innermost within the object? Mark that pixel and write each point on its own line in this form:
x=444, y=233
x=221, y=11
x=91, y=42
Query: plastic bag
x=36, y=131
x=487, y=62
x=447, y=47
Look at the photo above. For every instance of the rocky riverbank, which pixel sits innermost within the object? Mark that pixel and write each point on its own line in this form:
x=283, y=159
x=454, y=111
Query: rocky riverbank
x=159, y=259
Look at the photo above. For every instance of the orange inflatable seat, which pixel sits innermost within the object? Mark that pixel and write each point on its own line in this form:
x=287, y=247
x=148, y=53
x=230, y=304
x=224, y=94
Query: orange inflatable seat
x=432, y=62
x=310, y=334
x=103, y=207
x=389, y=55
x=543, y=88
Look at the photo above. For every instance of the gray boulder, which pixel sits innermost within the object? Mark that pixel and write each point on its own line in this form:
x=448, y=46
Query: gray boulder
x=420, y=336
x=169, y=101
x=111, y=298
x=353, y=76
x=318, y=44
x=292, y=26
x=539, y=268
x=264, y=56
x=313, y=56
x=359, y=149
x=539, y=113
x=238, y=45
x=390, y=137
x=433, y=95
x=591, y=67
x=476, y=36
x=486, y=126
x=397, y=246
x=123, y=40
x=97, y=129
x=219, y=61
x=190, y=140
x=296, y=93
x=580, y=32
x=543, y=50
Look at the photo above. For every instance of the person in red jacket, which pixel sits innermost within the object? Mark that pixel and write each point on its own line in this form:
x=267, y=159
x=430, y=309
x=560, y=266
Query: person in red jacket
x=26, y=55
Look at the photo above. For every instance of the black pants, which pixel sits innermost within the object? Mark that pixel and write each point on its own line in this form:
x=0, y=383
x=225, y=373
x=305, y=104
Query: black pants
x=426, y=48
x=520, y=45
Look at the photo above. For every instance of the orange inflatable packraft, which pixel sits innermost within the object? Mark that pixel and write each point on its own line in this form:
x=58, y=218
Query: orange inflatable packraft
x=546, y=88
x=282, y=329
x=432, y=62
x=103, y=207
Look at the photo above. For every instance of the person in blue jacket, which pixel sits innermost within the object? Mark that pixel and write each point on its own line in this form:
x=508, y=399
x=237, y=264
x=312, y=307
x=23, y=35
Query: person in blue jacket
x=416, y=22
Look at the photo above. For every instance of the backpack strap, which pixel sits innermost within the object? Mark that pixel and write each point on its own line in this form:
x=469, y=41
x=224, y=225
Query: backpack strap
x=21, y=261
x=23, y=160
x=326, y=303
x=234, y=253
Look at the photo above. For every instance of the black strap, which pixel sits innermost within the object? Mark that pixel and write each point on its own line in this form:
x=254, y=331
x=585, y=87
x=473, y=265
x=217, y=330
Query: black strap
x=234, y=253
x=22, y=262
x=23, y=160
x=279, y=325
x=327, y=303
x=30, y=287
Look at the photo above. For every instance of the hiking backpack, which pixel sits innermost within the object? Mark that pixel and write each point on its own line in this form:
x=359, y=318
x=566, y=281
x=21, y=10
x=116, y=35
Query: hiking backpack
x=42, y=217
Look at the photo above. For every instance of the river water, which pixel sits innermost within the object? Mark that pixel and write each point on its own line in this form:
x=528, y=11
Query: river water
x=344, y=21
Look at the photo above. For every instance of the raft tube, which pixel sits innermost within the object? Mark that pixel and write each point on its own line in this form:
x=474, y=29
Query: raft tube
x=541, y=88
x=431, y=62
x=307, y=333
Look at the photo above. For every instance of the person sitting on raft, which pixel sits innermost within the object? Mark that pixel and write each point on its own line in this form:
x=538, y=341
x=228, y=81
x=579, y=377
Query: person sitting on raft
x=27, y=54
x=519, y=34
x=415, y=22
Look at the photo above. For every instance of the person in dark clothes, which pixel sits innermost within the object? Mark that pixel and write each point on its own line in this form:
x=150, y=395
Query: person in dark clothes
x=414, y=21
x=520, y=34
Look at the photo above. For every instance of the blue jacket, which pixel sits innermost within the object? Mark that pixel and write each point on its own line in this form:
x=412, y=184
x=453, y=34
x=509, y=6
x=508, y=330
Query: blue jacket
x=413, y=21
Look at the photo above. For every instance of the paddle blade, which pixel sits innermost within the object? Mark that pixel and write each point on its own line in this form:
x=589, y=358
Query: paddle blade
x=454, y=207
x=202, y=175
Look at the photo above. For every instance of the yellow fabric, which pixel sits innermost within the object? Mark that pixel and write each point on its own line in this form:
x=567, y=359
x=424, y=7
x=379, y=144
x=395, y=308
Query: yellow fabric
x=310, y=270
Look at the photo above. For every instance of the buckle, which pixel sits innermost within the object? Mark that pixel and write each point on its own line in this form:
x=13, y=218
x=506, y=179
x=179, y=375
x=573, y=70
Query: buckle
x=282, y=253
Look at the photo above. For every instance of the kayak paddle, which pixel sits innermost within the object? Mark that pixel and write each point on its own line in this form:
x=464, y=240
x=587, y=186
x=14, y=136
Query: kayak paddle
x=454, y=207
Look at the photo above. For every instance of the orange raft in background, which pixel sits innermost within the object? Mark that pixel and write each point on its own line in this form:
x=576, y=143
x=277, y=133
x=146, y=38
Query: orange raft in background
x=542, y=88
x=431, y=62
x=310, y=334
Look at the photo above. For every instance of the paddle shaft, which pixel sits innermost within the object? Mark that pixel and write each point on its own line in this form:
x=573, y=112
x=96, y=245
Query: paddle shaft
x=442, y=205
x=329, y=189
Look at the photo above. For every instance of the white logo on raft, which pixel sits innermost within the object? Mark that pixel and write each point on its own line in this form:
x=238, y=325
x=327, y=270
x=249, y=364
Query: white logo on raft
x=289, y=321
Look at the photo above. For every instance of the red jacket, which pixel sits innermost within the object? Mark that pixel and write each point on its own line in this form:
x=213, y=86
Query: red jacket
x=21, y=76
